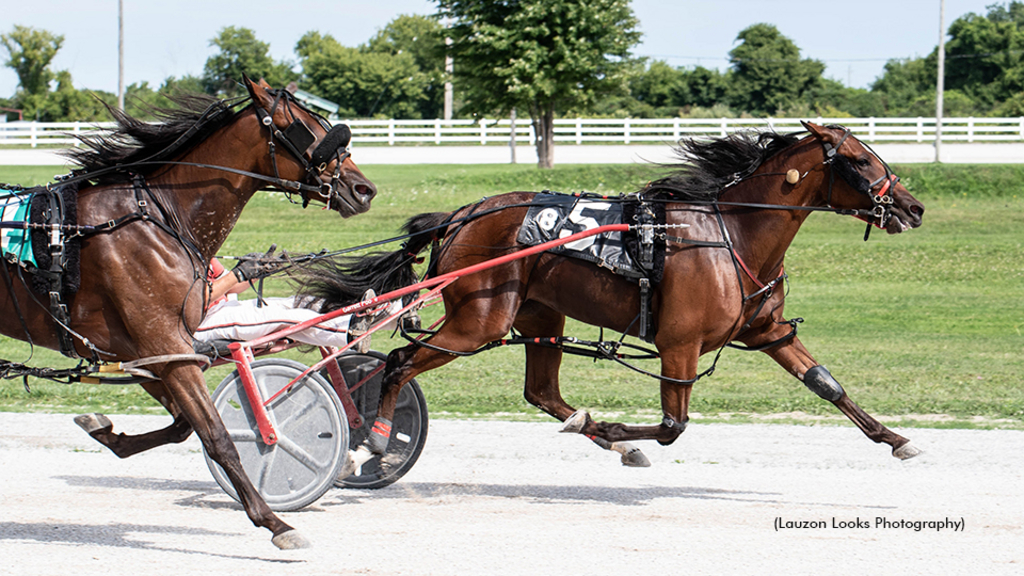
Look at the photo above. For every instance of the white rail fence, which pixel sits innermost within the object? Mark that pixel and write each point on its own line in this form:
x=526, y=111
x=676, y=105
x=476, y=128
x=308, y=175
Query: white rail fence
x=584, y=130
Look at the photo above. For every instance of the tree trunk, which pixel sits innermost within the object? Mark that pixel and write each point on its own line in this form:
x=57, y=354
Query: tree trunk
x=544, y=126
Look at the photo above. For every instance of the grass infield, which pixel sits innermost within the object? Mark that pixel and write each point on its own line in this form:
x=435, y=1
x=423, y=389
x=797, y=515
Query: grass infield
x=924, y=328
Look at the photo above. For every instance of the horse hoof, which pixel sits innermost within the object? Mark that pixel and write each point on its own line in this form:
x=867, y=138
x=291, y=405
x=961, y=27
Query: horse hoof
x=574, y=424
x=94, y=423
x=631, y=455
x=905, y=452
x=290, y=540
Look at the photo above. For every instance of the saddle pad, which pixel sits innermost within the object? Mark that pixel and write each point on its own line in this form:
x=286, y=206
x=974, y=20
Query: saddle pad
x=15, y=244
x=554, y=216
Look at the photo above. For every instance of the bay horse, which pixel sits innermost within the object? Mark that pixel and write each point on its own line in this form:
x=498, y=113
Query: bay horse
x=171, y=192
x=744, y=198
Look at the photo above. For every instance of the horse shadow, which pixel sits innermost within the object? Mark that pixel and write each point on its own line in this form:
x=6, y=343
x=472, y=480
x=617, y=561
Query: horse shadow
x=200, y=497
x=207, y=494
x=118, y=535
x=543, y=494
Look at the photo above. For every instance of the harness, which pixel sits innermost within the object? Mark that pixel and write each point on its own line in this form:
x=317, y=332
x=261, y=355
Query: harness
x=648, y=232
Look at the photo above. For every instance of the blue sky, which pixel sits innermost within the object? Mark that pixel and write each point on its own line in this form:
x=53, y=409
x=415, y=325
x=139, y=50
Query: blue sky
x=172, y=38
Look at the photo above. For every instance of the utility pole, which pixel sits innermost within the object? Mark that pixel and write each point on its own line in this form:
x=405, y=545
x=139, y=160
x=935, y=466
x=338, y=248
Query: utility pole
x=939, y=85
x=512, y=135
x=120, y=54
x=449, y=69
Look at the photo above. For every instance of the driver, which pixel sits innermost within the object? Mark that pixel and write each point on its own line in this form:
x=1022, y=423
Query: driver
x=228, y=318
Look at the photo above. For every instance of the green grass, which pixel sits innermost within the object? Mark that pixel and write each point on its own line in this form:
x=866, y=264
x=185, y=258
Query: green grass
x=926, y=323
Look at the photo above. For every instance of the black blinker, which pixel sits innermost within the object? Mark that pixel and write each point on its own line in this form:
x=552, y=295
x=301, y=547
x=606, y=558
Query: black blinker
x=845, y=170
x=299, y=136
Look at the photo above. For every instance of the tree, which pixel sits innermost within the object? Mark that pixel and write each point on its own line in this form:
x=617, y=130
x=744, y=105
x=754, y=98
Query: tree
x=541, y=56
x=830, y=98
x=30, y=53
x=904, y=81
x=985, y=55
x=659, y=86
x=364, y=84
x=767, y=72
x=703, y=87
x=67, y=103
x=422, y=37
x=241, y=53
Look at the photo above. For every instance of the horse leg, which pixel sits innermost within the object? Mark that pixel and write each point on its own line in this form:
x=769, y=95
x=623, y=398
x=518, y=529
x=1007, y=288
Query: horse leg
x=677, y=363
x=798, y=361
x=186, y=387
x=124, y=445
x=542, y=388
x=471, y=323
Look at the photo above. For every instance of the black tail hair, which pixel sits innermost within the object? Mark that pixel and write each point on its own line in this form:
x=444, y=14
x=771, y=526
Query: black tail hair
x=339, y=281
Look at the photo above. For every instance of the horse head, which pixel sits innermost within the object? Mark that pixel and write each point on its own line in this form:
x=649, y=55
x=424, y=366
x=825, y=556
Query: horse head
x=861, y=181
x=316, y=153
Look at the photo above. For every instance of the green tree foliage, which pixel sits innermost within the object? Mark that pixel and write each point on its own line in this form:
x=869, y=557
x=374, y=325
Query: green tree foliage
x=904, y=83
x=30, y=53
x=421, y=37
x=540, y=56
x=242, y=53
x=985, y=55
x=767, y=72
x=984, y=69
x=363, y=83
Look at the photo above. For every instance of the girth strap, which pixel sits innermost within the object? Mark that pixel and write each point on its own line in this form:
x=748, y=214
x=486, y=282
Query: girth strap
x=55, y=236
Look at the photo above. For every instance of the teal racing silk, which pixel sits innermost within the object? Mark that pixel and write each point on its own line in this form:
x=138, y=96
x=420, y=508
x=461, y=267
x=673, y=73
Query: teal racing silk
x=14, y=207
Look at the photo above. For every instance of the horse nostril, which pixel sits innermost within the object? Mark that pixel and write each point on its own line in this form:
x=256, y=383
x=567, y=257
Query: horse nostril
x=916, y=209
x=365, y=190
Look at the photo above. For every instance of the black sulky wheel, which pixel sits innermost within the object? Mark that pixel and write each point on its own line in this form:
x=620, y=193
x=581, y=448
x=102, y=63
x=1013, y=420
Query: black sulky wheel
x=408, y=428
x=312, y=435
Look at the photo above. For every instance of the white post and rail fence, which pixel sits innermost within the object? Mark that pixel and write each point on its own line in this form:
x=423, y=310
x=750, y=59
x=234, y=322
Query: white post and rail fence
x=594, y=139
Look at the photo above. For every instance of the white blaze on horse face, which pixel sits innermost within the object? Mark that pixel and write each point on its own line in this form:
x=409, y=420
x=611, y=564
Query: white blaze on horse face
x=576, y=217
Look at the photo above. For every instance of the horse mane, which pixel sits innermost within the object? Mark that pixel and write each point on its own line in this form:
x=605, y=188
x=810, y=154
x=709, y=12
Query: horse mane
x=707, y=167
x=134, y=140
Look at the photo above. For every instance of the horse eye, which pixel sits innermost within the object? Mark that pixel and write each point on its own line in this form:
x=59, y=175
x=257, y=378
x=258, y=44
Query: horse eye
x=863, y=162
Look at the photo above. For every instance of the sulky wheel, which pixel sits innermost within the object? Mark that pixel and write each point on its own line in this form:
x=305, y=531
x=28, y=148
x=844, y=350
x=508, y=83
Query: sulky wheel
x=312, y=433
x=408, y=428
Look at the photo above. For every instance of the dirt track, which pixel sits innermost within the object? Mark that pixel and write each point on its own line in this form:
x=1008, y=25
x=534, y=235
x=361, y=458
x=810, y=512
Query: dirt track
x=516, y=498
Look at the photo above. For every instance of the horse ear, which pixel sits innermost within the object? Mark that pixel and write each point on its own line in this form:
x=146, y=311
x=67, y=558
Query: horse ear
x=264, y=85
x=819, y=132
x=258, y=91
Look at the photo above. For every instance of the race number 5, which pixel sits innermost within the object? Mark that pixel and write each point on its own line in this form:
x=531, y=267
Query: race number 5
x=585, y=222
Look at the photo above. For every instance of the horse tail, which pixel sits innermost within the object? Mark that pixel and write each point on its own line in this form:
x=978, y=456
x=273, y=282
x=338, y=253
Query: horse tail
x=338, y=281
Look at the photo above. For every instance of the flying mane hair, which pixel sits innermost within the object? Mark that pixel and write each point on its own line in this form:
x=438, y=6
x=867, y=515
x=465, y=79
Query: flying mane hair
x=134, y=140
x=707, y=166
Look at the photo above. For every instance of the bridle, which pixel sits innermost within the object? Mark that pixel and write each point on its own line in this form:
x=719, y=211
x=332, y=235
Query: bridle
x=297, y=138
x=882, y=199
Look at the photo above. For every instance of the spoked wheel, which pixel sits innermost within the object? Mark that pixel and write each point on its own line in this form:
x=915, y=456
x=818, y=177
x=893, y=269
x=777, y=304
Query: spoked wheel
x=408, y=428
x=312, y=435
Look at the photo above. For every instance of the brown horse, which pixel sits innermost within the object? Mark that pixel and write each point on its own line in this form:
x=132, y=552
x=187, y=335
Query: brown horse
x=744, y=198
x=172, y=192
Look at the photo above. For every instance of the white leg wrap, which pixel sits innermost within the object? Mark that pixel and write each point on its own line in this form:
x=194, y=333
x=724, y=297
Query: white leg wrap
x=355, y=459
